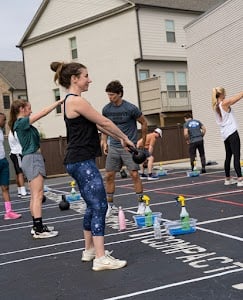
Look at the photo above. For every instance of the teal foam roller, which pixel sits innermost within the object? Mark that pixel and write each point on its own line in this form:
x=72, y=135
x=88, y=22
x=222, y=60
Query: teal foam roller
x=193, y=173
x=162, y=173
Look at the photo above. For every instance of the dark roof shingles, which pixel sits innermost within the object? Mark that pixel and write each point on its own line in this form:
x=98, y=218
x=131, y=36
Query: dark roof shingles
x=13, y=72
x=191, y=5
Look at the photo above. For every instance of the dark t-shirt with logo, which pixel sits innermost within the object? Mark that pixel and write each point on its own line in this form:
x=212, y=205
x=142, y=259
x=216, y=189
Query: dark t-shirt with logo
x=194, y=130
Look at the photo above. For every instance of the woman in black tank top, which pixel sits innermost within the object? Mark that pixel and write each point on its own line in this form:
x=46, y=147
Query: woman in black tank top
x=83, y=146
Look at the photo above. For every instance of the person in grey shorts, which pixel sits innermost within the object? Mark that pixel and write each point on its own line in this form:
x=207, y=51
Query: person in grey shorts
x=125, y=115
x=21, y=120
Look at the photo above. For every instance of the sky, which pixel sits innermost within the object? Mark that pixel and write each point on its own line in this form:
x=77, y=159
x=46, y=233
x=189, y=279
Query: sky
x=15, y=16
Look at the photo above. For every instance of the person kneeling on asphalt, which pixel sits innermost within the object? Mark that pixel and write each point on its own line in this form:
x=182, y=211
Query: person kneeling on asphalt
x=151, y=139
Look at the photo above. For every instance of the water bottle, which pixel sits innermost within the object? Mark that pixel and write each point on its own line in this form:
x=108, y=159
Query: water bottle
x=148, y=214
x=157, y=231
x=121, y=219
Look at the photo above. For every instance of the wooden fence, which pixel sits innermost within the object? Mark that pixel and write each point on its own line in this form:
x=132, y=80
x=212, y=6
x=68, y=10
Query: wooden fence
x=171, y=147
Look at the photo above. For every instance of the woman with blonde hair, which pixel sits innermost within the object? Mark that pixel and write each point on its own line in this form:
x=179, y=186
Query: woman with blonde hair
x=229, y=131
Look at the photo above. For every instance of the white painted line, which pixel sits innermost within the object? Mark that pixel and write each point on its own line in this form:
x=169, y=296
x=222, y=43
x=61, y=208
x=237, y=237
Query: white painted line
x=60, y=252
x=238, y=286
x=221, y=234
x=173, y=285
x=73, y=241
x=187, y=185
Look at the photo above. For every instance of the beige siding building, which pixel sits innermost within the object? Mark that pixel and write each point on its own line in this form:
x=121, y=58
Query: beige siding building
x=214, y=50
x=132, y=41
x=12, y=85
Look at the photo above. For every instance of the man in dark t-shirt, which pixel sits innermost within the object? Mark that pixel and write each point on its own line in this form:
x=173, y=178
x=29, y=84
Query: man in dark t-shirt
x=125, y=115
x=194, y=132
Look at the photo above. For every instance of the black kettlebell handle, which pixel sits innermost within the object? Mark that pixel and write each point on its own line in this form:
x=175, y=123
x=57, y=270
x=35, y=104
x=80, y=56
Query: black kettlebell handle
x=133, y=150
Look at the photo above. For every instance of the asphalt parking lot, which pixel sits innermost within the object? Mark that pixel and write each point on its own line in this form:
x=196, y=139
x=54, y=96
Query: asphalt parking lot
x=206, y=264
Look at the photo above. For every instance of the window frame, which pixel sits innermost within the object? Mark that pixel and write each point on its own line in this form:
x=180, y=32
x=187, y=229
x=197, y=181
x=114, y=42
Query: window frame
x=57, y=97
x=6, y=100
x=73, y=47
x=170, y=31
x=144, y=71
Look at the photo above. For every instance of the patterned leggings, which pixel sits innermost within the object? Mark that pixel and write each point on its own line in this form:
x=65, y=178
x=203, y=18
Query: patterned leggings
x=91, y=187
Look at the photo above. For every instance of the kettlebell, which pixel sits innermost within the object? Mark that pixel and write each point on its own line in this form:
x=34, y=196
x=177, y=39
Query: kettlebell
x=64, y=204
x=139, y=156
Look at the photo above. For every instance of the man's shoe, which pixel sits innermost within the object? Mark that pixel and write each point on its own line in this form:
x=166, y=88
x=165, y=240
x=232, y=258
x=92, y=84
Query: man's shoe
x=12, y=216
x=23, y=196
x=123, y=174
x=143, y=176
x=108, y=262
x=141, y=208
x=47, y=228
x=153, y=177
x=111, y=210
x=203, y=171
x=230, y=181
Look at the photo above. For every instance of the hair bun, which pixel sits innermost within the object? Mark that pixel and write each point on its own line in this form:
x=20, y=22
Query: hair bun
x=54, y=66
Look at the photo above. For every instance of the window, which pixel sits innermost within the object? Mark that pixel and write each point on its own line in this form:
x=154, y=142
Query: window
x=182, y=84
x=6, y=101
x=23, y=97
x=143, y=74
x=170, y=31
x=170, y=83
x=57, y=97
x=73, y=46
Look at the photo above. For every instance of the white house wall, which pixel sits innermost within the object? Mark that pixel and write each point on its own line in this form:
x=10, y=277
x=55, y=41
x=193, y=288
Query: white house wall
x=153, y=32
x=107, y=48
x=159, y=69
x=214, y=51
x=59, y=13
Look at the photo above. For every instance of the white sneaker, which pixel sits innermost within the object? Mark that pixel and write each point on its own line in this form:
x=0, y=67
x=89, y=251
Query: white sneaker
x=47, y=228
x=240, y=183
x=108, y=262
x=230, y=181
x=23, y=196
x=45, y=234
x=88, y=255
x=111, y=210
x=141, y=208
x=153, y=177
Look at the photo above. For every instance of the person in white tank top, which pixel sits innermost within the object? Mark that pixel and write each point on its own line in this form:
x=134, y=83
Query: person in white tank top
x=16, y=157
x=229, y=131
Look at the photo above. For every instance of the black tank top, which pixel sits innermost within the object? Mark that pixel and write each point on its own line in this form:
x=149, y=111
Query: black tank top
x=83, y=141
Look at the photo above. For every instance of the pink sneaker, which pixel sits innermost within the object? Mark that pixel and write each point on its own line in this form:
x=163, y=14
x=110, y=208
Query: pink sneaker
x=12, y=216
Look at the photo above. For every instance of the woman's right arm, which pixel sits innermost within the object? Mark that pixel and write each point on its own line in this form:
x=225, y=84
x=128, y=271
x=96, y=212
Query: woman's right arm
x=104, y=124
x=45, y=111
x=226, y=103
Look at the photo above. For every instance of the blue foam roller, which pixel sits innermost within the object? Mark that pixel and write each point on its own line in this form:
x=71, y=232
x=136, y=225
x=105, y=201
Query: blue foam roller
x=178, y=231
x=75, y=197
